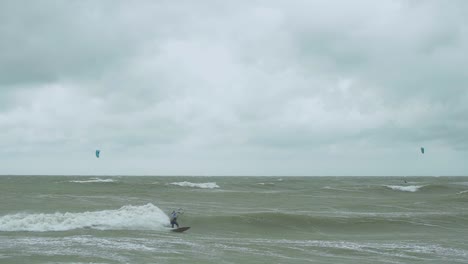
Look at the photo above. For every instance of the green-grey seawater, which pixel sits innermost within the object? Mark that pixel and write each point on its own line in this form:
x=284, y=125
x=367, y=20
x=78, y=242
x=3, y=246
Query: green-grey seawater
x=64, y=219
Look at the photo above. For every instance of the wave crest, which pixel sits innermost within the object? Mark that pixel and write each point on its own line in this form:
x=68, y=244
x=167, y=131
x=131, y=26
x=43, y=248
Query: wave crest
x=93, y=180
x=410, y=188
x=129, y=217
x=207, y=185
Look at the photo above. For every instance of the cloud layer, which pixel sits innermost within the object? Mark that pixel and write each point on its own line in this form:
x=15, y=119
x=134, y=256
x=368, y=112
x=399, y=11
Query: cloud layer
x=241, y=88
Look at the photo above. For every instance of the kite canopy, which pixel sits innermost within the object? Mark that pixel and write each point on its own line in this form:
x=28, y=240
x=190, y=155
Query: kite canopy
x=97, y=153
x=422, y=150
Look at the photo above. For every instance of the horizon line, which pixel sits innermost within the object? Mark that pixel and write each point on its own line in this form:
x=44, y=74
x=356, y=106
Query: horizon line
x=177, y=175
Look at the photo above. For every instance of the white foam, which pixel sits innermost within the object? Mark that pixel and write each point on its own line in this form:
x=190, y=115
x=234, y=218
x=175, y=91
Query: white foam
x=93, y=180
x=391, y=251
x=401, y=249
x=338, y=189
x=462, y=192
x=207, y=185
x=265, y=183
x=410, y=188
x=144, y=217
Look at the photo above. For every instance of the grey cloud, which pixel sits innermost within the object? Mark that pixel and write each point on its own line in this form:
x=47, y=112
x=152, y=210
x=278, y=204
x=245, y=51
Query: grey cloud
x=246, y=80
x=46, y=41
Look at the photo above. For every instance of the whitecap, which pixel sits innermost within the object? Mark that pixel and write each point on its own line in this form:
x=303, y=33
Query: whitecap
x=207, y=185
x=93, y=180
x=410, y=188
x=338, y=189
x=129, y=217
x=266, y=183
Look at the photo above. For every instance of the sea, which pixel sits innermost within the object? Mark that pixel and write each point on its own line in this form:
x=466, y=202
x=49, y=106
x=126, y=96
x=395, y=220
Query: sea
x=123, y=219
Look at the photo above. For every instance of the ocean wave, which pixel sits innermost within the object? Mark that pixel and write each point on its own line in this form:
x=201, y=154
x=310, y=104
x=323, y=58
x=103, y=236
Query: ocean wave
x=409, y=250
x=462, y=192
x=128, y=217
x=339, y=189
x=93, y=180
x=342, y=220
x=410, y=188
x=207, y=185
x=266, y=183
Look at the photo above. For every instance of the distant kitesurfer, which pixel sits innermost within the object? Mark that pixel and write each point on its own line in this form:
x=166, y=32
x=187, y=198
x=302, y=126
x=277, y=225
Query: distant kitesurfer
x=174, y=219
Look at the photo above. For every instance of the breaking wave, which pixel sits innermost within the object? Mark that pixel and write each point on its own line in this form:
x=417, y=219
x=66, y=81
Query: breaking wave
x=93, y=180
x=128, y=217
x=266, y=183
x=410, y=188
x=207, y=185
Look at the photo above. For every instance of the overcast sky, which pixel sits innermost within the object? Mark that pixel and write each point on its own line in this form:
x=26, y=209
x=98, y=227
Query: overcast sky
x=234, y=87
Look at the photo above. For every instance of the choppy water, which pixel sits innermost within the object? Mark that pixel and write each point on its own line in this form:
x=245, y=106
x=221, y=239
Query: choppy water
x=234, y=219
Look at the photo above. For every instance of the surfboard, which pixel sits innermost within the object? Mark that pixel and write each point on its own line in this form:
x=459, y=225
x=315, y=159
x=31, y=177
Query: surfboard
x=180, y=229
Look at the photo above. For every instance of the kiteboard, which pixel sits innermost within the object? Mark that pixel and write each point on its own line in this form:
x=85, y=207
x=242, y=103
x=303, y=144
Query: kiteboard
x=180, y=229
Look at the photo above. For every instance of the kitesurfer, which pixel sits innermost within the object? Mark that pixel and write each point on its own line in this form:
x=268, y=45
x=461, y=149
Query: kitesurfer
x=174, y=219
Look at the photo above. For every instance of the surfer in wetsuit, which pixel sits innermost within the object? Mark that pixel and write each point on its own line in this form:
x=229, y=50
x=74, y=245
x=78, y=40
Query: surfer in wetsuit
x=174, y=219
